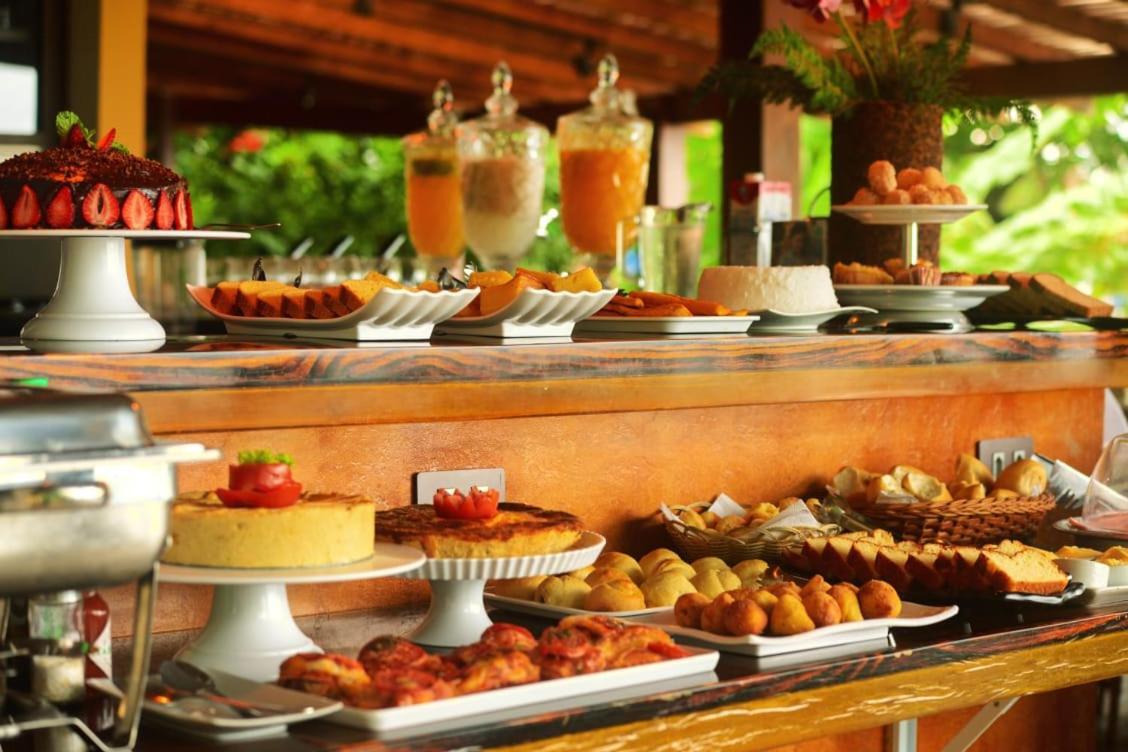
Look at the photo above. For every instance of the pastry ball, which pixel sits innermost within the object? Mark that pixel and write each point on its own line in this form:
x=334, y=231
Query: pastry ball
x=750, y=570
x=692, y=519
x=908, y=177
x=674, y=565
x=730, y=523
x=763, y=599
x=708, y=562
x=606, y=574
x=651, y=561
x=882, y=177
x=847, y=599
x=941, y=196
x=711, y=518
x=744, y=617
x=878, y=600
x=622, y=562
x=920, y=194
x=565, y=591
x=688, y=608
x=617, y=595
x=897, y=197
x=779, y=588
x=956, y=193
x=933, y=178
x=665, y=589
x=865, y=197
x=814, y=585
x=713, y=615
x=823, y=609
x=523, y=587
x=789, y=617
x=713, y=582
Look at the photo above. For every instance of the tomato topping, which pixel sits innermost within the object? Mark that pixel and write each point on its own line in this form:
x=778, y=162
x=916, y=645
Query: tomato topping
x=480, y=504
x=283, y=496
x=260, y=484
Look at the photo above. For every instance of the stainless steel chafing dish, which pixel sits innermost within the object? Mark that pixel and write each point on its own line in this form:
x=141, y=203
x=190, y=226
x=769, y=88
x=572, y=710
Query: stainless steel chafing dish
x=84, y=493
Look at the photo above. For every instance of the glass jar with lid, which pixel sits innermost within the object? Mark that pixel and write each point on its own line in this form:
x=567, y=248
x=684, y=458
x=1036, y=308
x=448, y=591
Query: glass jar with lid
x=604, y=167
x=434, y=200
x=502, y=159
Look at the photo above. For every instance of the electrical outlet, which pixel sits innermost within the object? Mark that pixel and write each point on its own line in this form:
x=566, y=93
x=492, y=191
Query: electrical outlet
x=998, y=453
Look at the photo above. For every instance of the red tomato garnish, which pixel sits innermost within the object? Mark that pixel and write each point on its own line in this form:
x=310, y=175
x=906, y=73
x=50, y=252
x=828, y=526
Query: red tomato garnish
x=268, y=485
x=451, y=504
x=283, y=496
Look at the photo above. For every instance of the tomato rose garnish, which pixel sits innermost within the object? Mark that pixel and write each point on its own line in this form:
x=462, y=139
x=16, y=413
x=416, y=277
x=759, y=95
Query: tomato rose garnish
x=261, y=479
x=452, y=504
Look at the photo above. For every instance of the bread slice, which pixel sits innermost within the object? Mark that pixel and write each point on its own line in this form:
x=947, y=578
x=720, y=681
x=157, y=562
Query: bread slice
x=270, y=302
x=1066, y=298
x=835, y=562
x=224, y=295
x=246, y=299
x=294, y=303
x=966, y=576
x=921, y=566
x=892, y=562
x=1026, y=571
x=355, y=293
x=812, y=551
x=863, y=559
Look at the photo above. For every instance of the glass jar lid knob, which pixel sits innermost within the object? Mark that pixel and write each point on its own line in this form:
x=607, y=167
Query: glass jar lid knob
x=605, y=94
x=501, y=102
x=442, y=119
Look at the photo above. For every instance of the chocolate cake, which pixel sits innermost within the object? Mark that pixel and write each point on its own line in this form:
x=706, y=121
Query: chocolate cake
x=81, y=184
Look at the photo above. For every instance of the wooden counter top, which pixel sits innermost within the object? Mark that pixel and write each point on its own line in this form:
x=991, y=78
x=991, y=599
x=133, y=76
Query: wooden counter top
x=235, y=384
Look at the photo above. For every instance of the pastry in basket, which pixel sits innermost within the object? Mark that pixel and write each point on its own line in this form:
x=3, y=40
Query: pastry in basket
x=264, y=519
x=474, y=525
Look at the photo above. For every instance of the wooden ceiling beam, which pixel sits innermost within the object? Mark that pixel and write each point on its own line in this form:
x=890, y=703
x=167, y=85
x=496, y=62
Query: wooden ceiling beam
x=1069, y=20
x=1083, y=77
x=992, y=37
x=649, y=17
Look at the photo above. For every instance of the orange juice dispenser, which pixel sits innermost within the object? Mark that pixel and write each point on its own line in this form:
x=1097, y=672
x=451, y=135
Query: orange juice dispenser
x=501, y=155
x=434, y=200
x=604, y=165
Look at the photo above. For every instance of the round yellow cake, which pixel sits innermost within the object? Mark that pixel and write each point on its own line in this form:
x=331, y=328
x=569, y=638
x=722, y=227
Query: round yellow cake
x=320, y=530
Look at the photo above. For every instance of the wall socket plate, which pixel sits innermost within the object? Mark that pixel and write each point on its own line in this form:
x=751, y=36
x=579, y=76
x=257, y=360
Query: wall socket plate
x=427, y=482
x=998, y=453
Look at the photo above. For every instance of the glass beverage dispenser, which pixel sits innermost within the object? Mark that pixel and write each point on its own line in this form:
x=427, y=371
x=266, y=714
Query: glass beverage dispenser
x=501, y=156
x=434, y=202
x=604, y=165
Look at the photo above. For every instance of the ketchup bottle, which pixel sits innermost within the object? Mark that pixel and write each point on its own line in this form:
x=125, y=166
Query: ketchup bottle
x=98, y=660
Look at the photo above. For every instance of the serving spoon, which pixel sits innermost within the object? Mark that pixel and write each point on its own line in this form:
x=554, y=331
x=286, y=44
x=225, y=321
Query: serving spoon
x=188, y=679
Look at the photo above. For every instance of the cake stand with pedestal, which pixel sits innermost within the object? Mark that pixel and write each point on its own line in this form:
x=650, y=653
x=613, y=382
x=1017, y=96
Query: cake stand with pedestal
x=250, y=630
x=93, y=309
x=937, y=308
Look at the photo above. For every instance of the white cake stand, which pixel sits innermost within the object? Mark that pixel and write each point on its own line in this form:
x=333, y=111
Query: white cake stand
x=250, y=630
x=457, y=615
x=93, y=309
x=910, y=217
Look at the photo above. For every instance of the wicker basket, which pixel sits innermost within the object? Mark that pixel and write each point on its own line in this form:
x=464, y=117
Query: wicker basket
x=769, y=545
x=962, y=522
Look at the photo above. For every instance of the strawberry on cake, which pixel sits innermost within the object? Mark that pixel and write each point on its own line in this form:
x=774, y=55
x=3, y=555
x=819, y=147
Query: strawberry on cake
x=88, y=184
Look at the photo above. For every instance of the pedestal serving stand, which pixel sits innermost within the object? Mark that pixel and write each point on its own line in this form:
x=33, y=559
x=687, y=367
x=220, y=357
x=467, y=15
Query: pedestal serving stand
x=93, y=309
x=250, y=630
x=913, y=307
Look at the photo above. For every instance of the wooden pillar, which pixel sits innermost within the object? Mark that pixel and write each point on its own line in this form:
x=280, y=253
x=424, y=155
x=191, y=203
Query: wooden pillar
x=740, y=23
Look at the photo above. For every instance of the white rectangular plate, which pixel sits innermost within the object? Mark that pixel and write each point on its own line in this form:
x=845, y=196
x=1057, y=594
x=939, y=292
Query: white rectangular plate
x=391, y=315
x=669, y=324
x=534, y=313
x=470, y=707
x=559, y=612
x=912, y=615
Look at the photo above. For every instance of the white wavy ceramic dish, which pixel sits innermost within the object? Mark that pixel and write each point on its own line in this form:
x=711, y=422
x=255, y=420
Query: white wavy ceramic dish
x=534, y=313
x=925, y=214
x=781, y=322
x=912, y=615
x=391, y=315
x=669, y=324
x=584, y=553
x=472, y=706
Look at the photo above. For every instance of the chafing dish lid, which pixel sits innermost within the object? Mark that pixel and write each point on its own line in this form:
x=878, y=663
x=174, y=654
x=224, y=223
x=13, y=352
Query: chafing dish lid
x=42, y=422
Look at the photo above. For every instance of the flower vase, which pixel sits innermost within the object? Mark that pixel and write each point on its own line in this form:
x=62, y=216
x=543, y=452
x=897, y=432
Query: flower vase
x=908, y=135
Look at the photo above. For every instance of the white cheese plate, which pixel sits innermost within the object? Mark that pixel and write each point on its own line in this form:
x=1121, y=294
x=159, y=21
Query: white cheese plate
x=534, y=313
x=912, y=615
x=470, y=707
x=668, y=324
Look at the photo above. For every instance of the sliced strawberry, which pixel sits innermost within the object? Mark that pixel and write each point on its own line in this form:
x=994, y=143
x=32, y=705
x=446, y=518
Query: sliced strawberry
x=165, y=213
x=100, y=208
x=107, y=140
x=188, y=202
x=3, y=215
x=137, y=211
x=183, y=220
x=60, y=209
x=25, y=212
x=76, y=138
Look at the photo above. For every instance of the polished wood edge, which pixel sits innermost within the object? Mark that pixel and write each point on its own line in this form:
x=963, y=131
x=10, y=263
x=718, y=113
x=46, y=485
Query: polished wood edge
x=297, y=406
x=799, y=716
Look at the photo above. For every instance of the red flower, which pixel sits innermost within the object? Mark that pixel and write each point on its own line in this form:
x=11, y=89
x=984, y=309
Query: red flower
x=889, y=11
x=820, y=9
x=248, y=141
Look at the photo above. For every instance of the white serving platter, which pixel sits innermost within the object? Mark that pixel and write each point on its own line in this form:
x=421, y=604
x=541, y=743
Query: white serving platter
x=470, y=707
x=917, y=298
x=781, y=322
x=388, y=559
x=94, y=232
x=520, y=605
x=668, y=324
x=534, y=313
x=391, y=315
x=912, y=615
x=904, y=214
x=209, y=718
x=582, y=554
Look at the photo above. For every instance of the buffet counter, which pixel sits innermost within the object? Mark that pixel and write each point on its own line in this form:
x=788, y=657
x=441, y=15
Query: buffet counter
x=609, y=429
